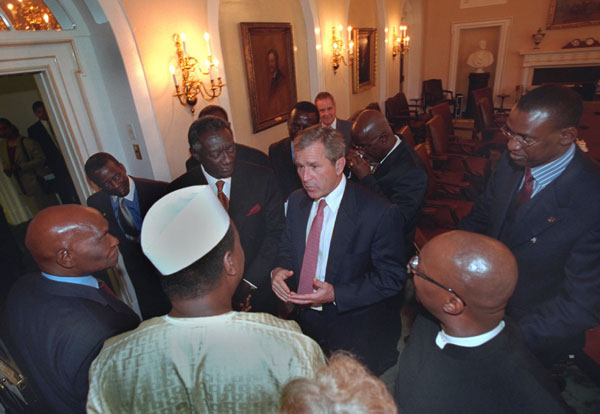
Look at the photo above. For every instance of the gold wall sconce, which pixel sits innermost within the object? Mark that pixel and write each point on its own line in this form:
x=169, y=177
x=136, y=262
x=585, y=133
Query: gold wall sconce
x=340, y=53
x=400, y=41
x=188, y=89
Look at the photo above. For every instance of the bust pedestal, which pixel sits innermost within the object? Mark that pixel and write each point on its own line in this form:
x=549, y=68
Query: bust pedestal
x=476, y=81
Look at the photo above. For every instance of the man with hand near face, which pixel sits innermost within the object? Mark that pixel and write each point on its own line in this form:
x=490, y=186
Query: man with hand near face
x=543, y=202
x=250, y=195
x=281, y=153
x=56, y=322
x=124, y=201
x=397, y=172
x=342, y=255
x=325, y=103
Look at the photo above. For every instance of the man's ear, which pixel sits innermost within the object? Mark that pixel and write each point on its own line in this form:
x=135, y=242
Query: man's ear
x=453, y=305
x=568, y=135
x=229, y=264
x=64, y=259
x=339, y=165
x=194, y=154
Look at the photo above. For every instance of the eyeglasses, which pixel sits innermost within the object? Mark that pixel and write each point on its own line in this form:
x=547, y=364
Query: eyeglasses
x=365, y=146
x=411, y=269
x=524, y=140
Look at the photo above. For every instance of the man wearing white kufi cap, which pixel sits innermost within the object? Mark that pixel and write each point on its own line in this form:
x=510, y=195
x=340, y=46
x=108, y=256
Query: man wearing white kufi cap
x=202, y=356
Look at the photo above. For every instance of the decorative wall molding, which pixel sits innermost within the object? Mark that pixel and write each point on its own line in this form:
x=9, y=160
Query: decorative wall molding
x=556, y=58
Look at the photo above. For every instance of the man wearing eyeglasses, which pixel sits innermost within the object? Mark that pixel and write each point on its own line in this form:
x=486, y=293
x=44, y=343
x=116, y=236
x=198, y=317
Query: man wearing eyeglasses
x=543, y=203
x=384, y=163
x=461, y=355
x=342, y=254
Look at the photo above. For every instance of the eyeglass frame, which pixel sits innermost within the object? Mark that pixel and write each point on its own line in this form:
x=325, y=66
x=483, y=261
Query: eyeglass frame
x=368, y=145
x=524, y=140
x=412, y=270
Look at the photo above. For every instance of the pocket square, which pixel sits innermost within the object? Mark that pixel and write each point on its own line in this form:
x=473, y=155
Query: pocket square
x=254, y=210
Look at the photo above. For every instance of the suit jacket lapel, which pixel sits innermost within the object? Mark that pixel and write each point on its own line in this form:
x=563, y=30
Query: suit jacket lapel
x=237, y=192
x=507, y=191
x=343, y=232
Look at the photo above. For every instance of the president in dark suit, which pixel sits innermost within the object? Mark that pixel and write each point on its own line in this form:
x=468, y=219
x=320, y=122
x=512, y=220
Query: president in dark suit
x=43, y=133
x=543, y=202
x=249, y=193
x=124, y=201
x=56, y=322
x=303, y=115
x=342, y=254
x=325, y=103
x=387, y=165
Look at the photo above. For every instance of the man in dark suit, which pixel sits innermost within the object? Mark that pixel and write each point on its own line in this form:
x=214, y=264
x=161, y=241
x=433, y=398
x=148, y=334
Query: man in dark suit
x=326, y=105
x=124, y=201
x=249, y=193
x=43, y=133
x=383, y=162
x=56, y=322
x=543, y=202
x=303, y=115
x=342, y=254
x=243, y=152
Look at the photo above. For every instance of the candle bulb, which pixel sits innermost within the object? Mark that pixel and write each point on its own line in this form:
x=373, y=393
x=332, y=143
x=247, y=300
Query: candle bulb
x=340, y=31
x=183, y=37
x=217, y=68
x=173, y=74
x=207, y=38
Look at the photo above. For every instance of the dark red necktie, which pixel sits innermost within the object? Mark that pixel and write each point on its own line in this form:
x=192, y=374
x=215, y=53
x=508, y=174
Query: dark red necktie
x=106, y=288
x=525, y=192
x=221, y=195
x=311, y=253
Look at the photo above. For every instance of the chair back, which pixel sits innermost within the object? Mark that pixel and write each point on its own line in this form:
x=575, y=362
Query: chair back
x=477, y=95
x=438, y=135
x=374, y=106
x=443, y=110
x=407, y=136
x=486, y=112
x=421, y=151
x=432, y=92
x=396, y=106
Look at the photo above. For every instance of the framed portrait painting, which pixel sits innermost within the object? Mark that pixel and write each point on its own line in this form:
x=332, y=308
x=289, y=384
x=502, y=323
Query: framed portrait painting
x=269, y=56
x=573, y=13
x=364, y=69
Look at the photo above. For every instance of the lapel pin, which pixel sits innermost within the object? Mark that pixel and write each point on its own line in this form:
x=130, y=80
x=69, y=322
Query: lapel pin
x=551, y=219
x=533, y=239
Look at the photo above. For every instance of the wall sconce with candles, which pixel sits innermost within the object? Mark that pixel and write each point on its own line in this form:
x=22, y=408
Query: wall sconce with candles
x=400, y=43
x=338, y=50
x=189, y=88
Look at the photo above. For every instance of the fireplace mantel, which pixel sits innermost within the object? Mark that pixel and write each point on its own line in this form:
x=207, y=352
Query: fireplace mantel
x=589, y=56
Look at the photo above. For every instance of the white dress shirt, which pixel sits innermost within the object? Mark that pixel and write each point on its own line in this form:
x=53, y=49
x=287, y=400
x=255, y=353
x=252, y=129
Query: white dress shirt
x=212, y=182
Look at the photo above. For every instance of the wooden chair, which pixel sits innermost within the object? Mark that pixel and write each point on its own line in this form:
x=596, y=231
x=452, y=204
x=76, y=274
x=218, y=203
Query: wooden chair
x=432, y=94
x=400, y=113
x=407, y=136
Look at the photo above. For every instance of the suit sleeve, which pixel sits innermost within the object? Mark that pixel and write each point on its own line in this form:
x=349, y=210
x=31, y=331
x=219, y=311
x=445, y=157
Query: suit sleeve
x=407, y=192
x=387, y=275
x=576, y=307
x=258, y=271
x=35, y=153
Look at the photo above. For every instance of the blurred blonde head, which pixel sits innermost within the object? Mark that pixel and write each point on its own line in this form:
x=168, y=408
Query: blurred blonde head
x=344, y=386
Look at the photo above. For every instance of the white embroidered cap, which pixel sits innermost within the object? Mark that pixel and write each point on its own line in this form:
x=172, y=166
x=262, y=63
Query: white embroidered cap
x=182, y=227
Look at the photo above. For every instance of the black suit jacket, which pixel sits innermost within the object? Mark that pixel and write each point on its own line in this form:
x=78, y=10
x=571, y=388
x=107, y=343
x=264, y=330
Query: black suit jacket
x=402, y=179
x=280, y=155
x=242, y=153
x=555, y=237
x=366, y=267
x=256, y=208
x=145, y=279
x=345, y=128
x=55, y=330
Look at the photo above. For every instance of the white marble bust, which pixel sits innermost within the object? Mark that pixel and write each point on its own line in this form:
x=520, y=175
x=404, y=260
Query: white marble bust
x=481, y=58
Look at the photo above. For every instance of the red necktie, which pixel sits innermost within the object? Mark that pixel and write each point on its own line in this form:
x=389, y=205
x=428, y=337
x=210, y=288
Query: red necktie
x=105, y=287
x=524, y=193
x=311, y=253
x=221, y=195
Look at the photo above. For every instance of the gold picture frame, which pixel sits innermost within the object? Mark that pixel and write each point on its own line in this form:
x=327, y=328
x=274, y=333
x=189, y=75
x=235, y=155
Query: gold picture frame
x=573, y=13
x=364, y=68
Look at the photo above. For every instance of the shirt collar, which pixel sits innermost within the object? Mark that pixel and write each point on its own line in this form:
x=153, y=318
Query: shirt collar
x=334, y=198
x=470, y=341
x=79, y=280
x=333, y=124
x=398, y=141
x=544, y=174
x=212, y=180
x=130, y=195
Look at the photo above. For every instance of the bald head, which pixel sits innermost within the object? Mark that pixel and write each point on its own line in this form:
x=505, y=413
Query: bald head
x=480, y=269
x=372, y=134
x=71, y=240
